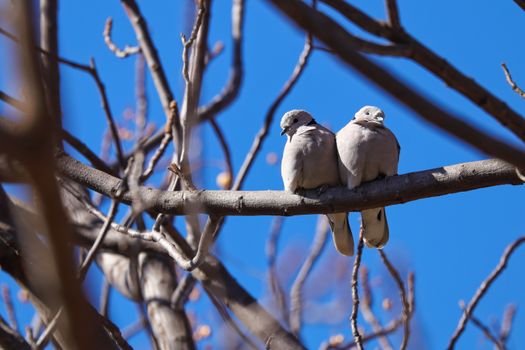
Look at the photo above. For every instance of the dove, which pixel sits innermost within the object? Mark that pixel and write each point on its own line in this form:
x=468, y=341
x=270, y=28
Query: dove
x=310, y=161
x=368, y=151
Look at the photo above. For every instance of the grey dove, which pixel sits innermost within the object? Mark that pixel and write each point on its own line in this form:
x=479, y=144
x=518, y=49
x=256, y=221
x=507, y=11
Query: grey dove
x=310, y=161
x=368, y=151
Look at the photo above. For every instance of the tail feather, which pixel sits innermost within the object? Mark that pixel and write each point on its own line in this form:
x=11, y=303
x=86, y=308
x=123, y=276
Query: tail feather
x=342, y=235
x=375, y=227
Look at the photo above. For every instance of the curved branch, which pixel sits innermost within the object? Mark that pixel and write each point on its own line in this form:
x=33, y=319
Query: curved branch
x=120, y=53
x=389, y=191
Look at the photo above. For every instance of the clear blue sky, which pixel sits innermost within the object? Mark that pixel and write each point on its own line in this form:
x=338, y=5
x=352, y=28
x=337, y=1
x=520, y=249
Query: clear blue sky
x=451, y=242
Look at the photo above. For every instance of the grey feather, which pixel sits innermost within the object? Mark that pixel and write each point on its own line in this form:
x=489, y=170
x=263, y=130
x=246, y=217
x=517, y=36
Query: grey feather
x=310, y=161
x=368, y=150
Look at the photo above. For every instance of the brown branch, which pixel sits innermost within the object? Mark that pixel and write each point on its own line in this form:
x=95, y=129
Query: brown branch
x=520, y=3
x=391, y=190
x=12, y=101
x=120, y=53
x=511, y=82
x=407, y=314
x=483, y=288
x=152, y=59
x=231, y=90
x=355, y=294
x=337, y=38
x=51, y=73
x=107, y=112
x=422, y=55
x=393, y=15
x=318, y=244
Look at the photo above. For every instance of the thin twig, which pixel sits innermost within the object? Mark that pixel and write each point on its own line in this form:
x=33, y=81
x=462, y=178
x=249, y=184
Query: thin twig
x=483, y=288
x=404, y=299
x=263, y=132
x=127, y=51
x=511, y=82
x=366, y=310
x=9, y=307
x=84, y=150
x=232, y=87
x=484, y=329
x=12, y=101
x=318, y=244
x=506, y=324
x=355, y=293
x=152, y=58
x=168, y=135
x=271, y=254
x=108, y=114
x=100, y=237
x=225, y=150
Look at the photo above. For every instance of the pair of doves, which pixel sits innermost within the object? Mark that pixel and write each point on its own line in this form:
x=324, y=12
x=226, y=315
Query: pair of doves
x=315, y=157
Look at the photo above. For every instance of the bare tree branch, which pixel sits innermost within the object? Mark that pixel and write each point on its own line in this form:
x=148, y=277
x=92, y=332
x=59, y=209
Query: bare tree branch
x=232, y=88
x=511, y=82
x=318, y=244
x=483, y=288
x=355, y=294
x=152, y=59
x=368, y=314
x=407, y=314
x=506, y=325
x=391, y=190
x=127, y=51
x=271, y=253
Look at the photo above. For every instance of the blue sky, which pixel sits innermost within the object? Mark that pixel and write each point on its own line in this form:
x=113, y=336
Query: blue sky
x=451, y=242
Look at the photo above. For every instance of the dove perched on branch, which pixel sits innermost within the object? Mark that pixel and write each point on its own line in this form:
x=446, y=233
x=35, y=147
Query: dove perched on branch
x=368, y=151
x=310, y=161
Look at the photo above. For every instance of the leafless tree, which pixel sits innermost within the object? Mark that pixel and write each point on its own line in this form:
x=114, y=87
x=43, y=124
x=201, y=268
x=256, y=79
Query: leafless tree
x=155, y=265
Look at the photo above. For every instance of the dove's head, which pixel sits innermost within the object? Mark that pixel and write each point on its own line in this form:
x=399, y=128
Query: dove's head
x=293, y=119
x=370, y=114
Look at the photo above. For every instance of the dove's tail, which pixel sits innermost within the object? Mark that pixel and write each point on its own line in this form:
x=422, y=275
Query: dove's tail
x=343, y=240
x=375, y=227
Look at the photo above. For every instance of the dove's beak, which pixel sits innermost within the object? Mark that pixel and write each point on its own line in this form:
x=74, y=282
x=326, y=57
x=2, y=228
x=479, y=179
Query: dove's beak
x=284, y=130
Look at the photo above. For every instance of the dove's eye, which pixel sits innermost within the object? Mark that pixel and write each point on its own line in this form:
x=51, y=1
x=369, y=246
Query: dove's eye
x=367, y=113
x=295, y=120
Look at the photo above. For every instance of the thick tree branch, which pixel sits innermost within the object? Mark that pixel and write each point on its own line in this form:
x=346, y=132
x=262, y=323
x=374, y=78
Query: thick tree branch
x=389, y=191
